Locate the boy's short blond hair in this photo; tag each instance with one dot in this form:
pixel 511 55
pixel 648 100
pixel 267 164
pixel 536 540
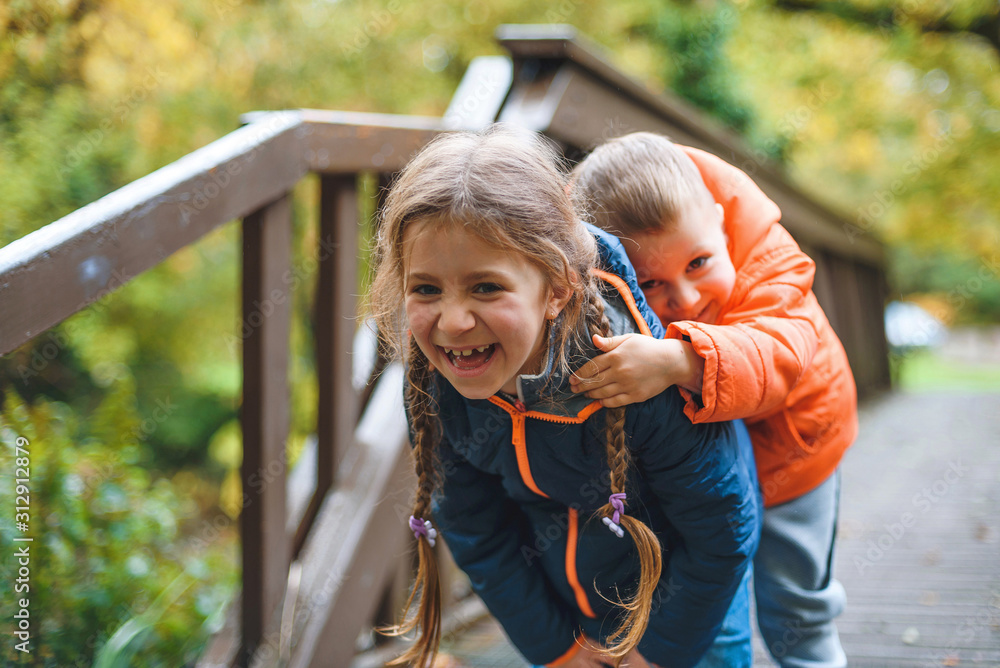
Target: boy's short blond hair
pixel 636 184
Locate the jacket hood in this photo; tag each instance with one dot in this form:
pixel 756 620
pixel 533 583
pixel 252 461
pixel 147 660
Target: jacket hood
pixel 549 391
pixel 744 203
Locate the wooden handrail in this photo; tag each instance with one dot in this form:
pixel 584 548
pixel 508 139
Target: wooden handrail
pixel 97 249
pixel 100 247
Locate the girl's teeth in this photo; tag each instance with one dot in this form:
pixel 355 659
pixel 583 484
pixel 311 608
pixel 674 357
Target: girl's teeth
pixel 464 353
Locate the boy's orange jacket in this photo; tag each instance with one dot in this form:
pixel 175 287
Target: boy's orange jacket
pixel 773 359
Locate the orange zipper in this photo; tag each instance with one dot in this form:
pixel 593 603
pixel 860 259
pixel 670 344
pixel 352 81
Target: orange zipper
pixel 626 294
pixel 571 576
pixel 518 415
pixel 518 418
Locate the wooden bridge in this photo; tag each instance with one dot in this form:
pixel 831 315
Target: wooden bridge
pixel 325 549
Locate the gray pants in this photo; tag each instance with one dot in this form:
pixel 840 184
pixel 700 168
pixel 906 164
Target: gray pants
pixel 797 597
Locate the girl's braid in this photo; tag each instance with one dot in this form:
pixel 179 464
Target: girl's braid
pixel 423 417
pixel 618 454
pixel 629 632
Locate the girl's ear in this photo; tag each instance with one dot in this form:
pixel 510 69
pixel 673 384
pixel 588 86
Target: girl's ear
pixel 558 298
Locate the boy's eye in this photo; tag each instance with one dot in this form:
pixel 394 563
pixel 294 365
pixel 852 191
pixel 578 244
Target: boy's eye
pixel 425 290
pixel 649 285
pixel 487 288
pixel 698 263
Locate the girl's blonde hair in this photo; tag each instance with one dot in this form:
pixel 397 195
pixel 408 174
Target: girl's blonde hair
pixel 637 184
pixel 504 186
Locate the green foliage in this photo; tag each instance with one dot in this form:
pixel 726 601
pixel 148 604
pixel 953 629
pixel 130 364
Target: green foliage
pixel 121 648
pixel 108 538
pixel 694 38
pixel 894 126
pixel 969 287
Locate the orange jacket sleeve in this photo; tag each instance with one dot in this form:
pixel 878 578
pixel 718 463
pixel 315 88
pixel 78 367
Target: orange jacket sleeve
pixel 765 339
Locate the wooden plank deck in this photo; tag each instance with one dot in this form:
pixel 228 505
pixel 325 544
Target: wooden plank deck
pixel 919 543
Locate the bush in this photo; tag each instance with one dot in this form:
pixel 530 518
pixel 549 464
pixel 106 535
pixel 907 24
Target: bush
pixel 109 550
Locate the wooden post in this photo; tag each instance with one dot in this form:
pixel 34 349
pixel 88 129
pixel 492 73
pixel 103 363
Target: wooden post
pixel 267 237
pixel 336 320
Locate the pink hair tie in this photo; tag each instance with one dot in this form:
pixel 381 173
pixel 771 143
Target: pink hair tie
pixel 424 528
pixel 617 502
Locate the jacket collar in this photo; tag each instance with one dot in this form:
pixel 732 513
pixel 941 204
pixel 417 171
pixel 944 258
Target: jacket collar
pixel 549 391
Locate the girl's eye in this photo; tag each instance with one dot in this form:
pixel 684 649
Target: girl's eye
pixel 649 285
pixel 698 263
pixel 487 288
pixel 425 290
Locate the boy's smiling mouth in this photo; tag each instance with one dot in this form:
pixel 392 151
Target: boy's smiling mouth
pixel 469 359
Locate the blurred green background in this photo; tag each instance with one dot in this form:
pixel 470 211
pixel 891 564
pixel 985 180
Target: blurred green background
pixel 887 112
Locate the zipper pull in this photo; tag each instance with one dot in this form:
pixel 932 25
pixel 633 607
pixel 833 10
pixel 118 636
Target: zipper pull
pixel 519 405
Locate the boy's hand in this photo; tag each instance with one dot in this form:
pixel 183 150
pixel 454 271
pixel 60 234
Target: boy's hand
pixel 591 656
pixel 633 368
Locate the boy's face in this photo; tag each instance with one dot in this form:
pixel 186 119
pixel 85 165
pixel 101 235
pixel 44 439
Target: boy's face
pixel 686 273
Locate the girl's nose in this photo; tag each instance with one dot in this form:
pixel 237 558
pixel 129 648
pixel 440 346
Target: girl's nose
pixel 455 318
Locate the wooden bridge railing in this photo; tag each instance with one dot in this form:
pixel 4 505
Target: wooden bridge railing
pixel 55 272
pixel 562 85
pixel 316 560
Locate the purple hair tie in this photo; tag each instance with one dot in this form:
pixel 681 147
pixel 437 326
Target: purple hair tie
pixel 424 528
pixel 617 502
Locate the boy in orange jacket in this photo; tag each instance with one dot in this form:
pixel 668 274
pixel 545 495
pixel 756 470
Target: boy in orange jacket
pixel 746 339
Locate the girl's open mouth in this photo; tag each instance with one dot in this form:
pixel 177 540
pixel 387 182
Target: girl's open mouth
pixel 470 359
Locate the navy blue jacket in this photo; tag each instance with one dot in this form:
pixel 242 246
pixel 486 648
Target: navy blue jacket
pixel 522 479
